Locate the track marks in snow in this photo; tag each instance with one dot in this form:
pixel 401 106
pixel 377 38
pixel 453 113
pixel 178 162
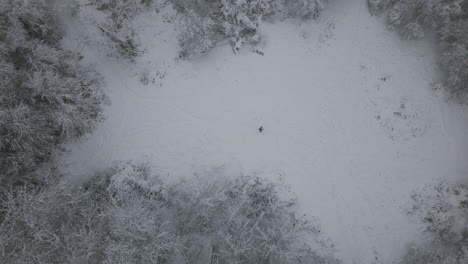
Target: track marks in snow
pixel 327 34
pixel 401 120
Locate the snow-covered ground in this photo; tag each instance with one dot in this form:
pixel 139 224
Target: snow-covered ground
pixel 350 120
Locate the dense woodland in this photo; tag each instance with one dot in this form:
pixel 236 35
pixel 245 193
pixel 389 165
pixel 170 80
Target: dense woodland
pixel 127 214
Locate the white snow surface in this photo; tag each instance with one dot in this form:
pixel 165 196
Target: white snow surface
pixel 351 122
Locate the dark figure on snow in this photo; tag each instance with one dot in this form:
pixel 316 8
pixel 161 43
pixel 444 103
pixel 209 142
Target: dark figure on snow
pixel 261 129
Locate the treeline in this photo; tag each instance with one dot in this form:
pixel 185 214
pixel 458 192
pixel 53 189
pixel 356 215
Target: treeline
pixel 203 24
pixel 129 215
pixel 449 19
pixel 208 23
pixel 47 97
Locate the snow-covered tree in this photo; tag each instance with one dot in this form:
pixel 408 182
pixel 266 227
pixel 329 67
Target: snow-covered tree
pixel 54 225
pixel 200 34
pixel 114 21
pixel 304 8
pixel 454 58
pixel 443 210
pixel 411 17
pixel 238 21
pixel 46 96
pixel 449 19
pixel 377 6
pixel 129 215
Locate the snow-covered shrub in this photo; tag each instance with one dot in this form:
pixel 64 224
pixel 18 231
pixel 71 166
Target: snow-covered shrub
pixel 200 34
pixel 454 58
pixel 304 8
pixel 377 6
pixel 46 96
pixel 209 22
pixel 240 20
pixel 128 215
pixel 411 17
pixel 116 23
pixel 444 213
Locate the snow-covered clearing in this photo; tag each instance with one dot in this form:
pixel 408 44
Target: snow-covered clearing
pixel 350 120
